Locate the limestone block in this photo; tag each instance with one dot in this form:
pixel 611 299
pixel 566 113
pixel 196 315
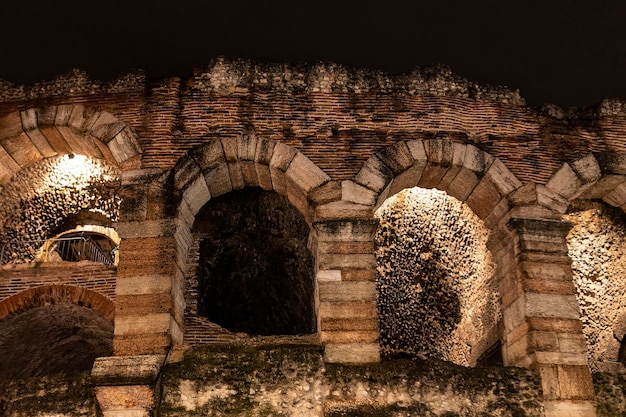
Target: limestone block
pixel 342 210
pixel 338 230
pixel 218 180
pixel 617 197
pixel 7 166
pixel 572 343
pixel 458 155
pixel 560 408
pixel 550 199
pixel 209 156
pixel 263 176
pixel 354 323
pixel 236 176
pixel 279 181
pixel 515 314
pixel 543 243
pixel 21 149
pixel 140 176
pixel 484 198
pixel 345 260
pixel 559 325
pixel 77 116
pixel 303 172
pixel 355 336
pixel 534 212
pixel 57 141
pixel 197 194
pixel 126 400
pixel 498 214
pixel 347 291
pixel 439 151
pixel 282 157
pixel 328 275
pixel 124 146
pixel 141 344
pixel 374 175
pixel 397 157
pixel 298 199
pixel 347 310
pixel 549 286
pixel 248 171
pixel 106 132
pixel 546 271
pixel 543 341
pixel 147 284
pixel 345 247
pixel 516 351
pixel 326 193
pixel 46 115
pixel 230 148
pixel 603 186
pixel 352 353
pixel 264 151
pixel 587 169
pixel 28 120
pixel 187 171
pixel 355 193
pixel 126 370
pixel 41 143
pixel 614 163
pixel 184 214
pixel 418 152
pixel 142 324
pixel 408 179
pixel 11 124
pixel 565 182
pixel 551 305
pixel 62 118
pixel 246 147
pixel 503 179
pixel 100 119
pixel 358 274
pixel 432 175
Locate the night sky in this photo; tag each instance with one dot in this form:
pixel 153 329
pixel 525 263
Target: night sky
pixel 570 53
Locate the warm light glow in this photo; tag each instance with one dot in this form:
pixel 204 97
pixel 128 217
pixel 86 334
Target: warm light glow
pixel 72 170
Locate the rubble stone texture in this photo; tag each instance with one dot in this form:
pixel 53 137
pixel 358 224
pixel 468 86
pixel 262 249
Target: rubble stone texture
pixel 34 204
pixel 597 246
pixel 435 295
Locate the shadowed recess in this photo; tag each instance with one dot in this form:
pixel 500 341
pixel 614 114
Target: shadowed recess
pixel 255 270
pixel 51 339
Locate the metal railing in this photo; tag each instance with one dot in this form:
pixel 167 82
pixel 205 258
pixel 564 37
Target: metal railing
pixel 74 248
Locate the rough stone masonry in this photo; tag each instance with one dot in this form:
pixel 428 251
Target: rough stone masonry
pixel 535 192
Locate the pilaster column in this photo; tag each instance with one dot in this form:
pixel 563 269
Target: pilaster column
pixel 346 270
pixel 541 313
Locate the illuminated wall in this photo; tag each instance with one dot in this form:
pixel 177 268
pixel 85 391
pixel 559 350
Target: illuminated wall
pixel 435 295
pixel 38 199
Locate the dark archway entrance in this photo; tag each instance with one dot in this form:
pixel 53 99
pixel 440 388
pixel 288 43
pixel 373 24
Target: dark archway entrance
pixel 255 272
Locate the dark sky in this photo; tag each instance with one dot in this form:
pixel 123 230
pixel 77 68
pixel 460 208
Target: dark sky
pixel 570 53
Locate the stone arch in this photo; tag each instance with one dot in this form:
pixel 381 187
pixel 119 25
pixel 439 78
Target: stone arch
pixel 51 294
pixel 223 165
pixel 463 171
pixel 31 135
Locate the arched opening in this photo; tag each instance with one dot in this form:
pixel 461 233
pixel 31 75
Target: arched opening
pixel 42 200
pixel 596 245
pixel 255 271
pixel 437 297
pixel 54 328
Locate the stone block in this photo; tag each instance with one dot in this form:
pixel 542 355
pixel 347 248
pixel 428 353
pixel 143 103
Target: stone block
pixel 345 247
pixel 551 200
pixel 121 400
pixel 565 182
pixel 397 157
pixel 197 194
pixel 549 286
pixel 249 175
pixel 342 210
pixel 603 186
pixel 218 180
pixel 418 152
pixel 124 146
pixel 7 166
pixel 11 124
pixel 552 305
pixel 28 120
pixel 572 343
pixel 352 353
pixel 326 193
pixel 374 175
pixel 543 341
pixel 328 275
pixel 141 344
pixel 616 197
pixel 515 314
pixel 279 181
pixel 546 271
pixel 347 291
pixel 303 172
pixel 142 304
pixel 549 375
pixel 346 260
pixel 42 144
pixel 458 155
pixel 348 310
pixel 264 151
pixel 230 148
pixel 209 156
pixel 561 408
pixel 498 214
pixel 282 156
pixel 355 193
pixel 63 113
pixel 263 176
pixel 236 176
pixel 359 323
pixel 126 370
pixel 408 179
pixel 559 325
pixel 516 352
pixel 298 199
pixel 246 147
pixel 575 382
pixel 463 184
pixel 156 323
pixel 146 229
pixel 356 336
pixel 503 179
pixel 338 230
pixel 587 169
pixel 560 358
pixel 484 198
pixel 439 151
pixel 432 175
pixel 358 274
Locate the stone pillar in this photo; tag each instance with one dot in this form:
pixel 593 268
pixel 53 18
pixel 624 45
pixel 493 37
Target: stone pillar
pixel 541 313
pixel 146 322
pixel 346 269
